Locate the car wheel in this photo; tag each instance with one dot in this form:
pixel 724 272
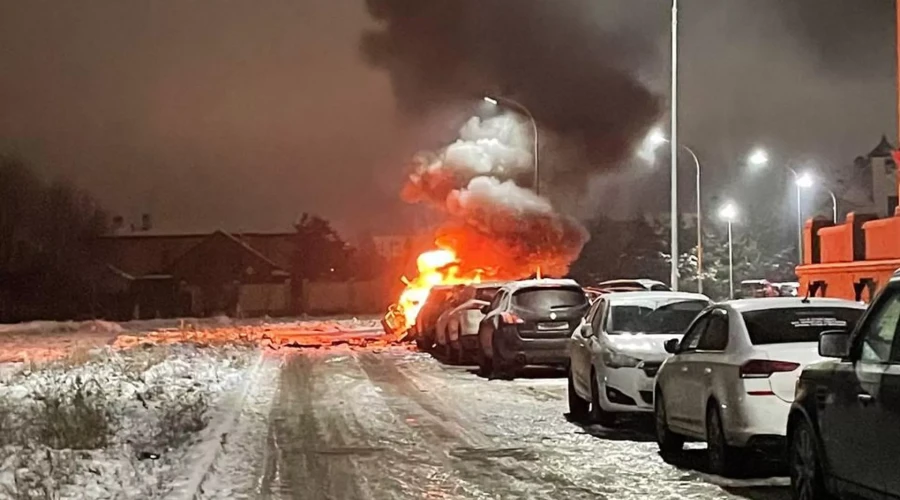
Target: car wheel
pixel 422 344
pixel 598 414
pixel 723 459
pixel 807 480
pixel 456 355
pixel 578 408
pixel 502 368
pixel 485 365
pixel 668 441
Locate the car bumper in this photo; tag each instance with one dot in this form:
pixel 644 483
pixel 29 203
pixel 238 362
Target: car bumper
pixel 517 351
pixel 755 421
pixel 626 390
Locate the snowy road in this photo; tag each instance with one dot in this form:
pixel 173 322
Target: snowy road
pixel 384 424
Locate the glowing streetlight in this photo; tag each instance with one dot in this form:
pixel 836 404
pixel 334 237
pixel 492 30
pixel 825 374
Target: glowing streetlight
pixel 807 180
pixel 654 140
pixel 729 213
pixel 758 158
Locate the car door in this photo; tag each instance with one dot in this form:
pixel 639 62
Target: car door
pixel 889 405
pixel 677 375
pixel 856 414
pixel 580 353
pixel 707 368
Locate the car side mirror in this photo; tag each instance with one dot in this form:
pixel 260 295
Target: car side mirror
pixel 485 309
pixel 834 344
pixel 587 331
pixel 671 346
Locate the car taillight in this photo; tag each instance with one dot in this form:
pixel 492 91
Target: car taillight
pixel 764 368
pixel 510 319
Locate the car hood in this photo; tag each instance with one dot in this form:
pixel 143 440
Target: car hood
pixel 643 346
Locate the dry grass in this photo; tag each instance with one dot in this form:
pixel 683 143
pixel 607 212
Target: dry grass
pixel 78 421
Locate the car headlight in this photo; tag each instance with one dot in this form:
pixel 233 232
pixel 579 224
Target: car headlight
pixel 614 359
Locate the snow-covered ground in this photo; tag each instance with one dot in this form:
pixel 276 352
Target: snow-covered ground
pixel 113 424
pixel 143 409
pixel 47 340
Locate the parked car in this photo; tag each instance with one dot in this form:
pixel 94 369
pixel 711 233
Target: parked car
pixel 439 299
pixel 753 289
pixel 787 289
pixel 457 328
pixel 844 425
pixel 529 323
pixel 731 379
pixel 616 352
pixel 635 285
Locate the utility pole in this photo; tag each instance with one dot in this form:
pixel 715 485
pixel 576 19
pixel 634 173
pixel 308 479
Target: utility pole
pixel 673 142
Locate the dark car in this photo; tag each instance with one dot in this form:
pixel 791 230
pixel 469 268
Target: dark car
pixel 844 426
pixel 529 323
pixel 439 299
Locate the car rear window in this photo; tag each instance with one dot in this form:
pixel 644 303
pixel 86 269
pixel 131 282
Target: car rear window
pixel 781 326
pixel 542 299
pixel 486 294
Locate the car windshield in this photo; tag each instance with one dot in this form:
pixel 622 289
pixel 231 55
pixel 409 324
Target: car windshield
pixel 799 324
pixel 546 299
pixel 653 316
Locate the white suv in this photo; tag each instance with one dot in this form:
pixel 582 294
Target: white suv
pixel 614 356
pixel 732 377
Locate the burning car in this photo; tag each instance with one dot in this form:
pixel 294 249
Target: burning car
pixel 440 298
pixel 457 328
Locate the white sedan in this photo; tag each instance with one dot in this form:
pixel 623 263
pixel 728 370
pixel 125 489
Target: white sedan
pixel 731 379
pixel 614 356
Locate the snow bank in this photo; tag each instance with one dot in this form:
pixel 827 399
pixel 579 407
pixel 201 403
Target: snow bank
pixel 132 418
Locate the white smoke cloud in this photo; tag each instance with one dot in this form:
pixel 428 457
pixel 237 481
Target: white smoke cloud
pixel 494 223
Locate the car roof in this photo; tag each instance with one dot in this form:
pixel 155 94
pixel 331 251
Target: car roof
pixel 627 296
pixel 514 286
pixel 642 281
pixel 488 284
pixel 760 304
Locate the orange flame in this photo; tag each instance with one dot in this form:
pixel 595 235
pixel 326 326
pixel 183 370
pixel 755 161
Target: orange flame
pixel 435 267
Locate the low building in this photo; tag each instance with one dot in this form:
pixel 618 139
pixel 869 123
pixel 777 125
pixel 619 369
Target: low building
pixel 197 275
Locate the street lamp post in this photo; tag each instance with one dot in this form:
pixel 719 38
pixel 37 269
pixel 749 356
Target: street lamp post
pixel 537 172
pixel 728 213
pixel 806 180
pixel 521 107
pixel 657 138
pixel 760 158
pixel 674 149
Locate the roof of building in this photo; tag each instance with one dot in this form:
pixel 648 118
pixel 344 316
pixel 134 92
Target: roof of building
pixel 884 149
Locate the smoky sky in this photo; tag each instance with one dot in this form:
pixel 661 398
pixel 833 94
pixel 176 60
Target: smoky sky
pixel 241 115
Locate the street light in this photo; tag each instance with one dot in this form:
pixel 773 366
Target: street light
pixel 729 213
pixel 656 139
pixel 759 158
pixel 674 150
pixel 807 180
pixel 495 101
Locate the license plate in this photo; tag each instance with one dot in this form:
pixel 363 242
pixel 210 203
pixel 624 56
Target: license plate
pixel 556 325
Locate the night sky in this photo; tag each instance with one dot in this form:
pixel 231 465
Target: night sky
pixel 241 115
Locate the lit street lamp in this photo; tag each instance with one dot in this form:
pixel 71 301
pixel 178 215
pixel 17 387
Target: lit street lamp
pixel 656 139
pixel 807 180
pixel 759 158
pixel 494 101
pixel 729 213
